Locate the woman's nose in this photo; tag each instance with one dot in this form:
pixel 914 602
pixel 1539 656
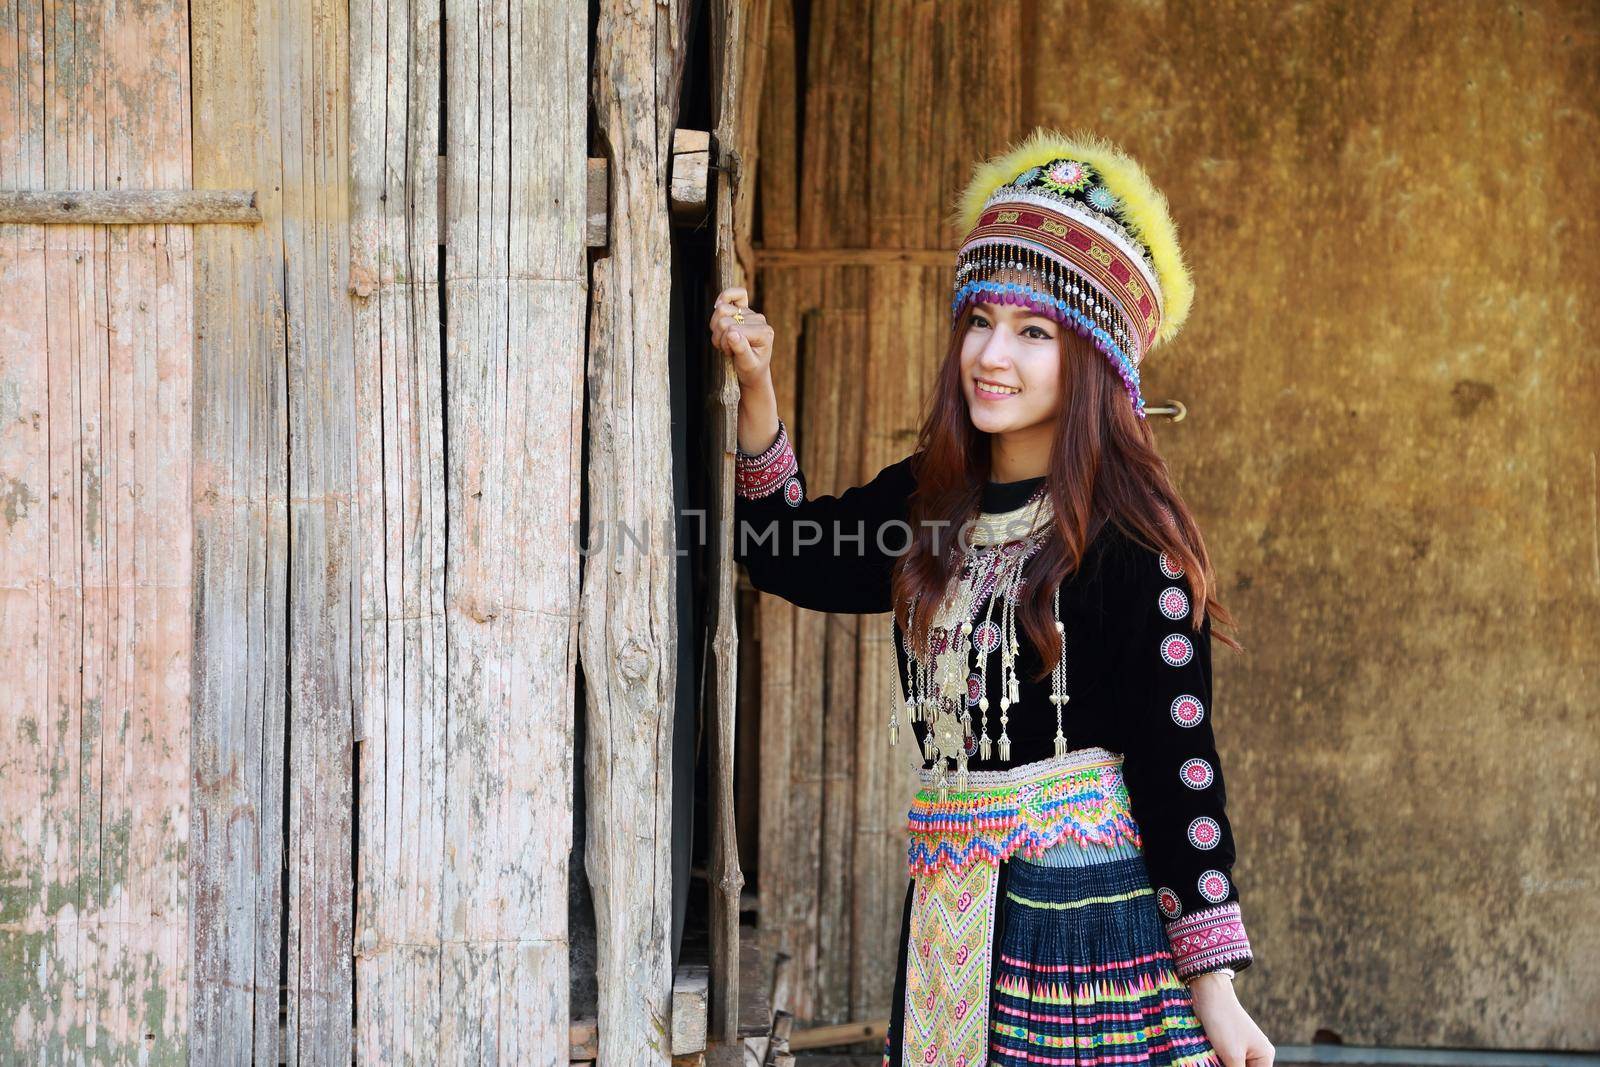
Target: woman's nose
pixel 996 351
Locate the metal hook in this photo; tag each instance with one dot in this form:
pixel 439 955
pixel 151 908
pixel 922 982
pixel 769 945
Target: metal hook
pixel 1174 408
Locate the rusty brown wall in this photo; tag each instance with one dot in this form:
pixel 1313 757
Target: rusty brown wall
pixel 1390 211
pixel 1391 445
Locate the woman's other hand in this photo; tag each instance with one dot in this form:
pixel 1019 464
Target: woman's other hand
pixel 1237 1039
pixel 748 343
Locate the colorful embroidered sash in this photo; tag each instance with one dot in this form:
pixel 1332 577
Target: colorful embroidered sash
pixel 1021 809
pixel 956 846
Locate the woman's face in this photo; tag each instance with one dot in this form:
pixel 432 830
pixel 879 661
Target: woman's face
pixel 1010 368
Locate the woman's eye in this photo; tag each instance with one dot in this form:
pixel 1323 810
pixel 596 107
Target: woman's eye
pixel 1039 332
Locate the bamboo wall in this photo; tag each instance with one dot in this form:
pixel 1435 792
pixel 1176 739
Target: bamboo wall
pixel 1390 443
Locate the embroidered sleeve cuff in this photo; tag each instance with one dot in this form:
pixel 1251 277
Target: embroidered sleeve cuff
pixel 774 469
pixel 1210 938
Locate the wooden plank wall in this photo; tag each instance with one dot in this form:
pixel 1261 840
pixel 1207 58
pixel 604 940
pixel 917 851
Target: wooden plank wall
pixel 95 569
pixel 629 630
pixel 367 415
pixel 855 272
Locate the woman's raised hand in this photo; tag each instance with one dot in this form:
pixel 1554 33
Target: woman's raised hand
pixel 748 343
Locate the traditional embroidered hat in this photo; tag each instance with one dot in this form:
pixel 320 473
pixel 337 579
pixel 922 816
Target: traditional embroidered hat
pixel 1081 223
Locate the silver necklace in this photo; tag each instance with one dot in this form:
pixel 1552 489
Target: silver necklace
pixel 944 685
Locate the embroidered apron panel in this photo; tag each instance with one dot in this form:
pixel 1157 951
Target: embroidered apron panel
pixel 947 969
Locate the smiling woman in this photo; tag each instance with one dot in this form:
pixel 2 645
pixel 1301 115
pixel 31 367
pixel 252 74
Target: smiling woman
pixel 1050 603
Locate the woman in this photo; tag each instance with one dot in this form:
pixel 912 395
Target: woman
pixel 1071 896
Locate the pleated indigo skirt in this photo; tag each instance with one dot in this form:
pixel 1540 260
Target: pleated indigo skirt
pixel 1082 972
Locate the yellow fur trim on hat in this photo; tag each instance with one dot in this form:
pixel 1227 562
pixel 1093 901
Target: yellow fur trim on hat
pixel 1144 208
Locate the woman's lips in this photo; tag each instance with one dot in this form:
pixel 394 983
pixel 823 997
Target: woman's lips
pixel 987 393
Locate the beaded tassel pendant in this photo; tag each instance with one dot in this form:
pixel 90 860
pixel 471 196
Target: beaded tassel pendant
pixel 1058 677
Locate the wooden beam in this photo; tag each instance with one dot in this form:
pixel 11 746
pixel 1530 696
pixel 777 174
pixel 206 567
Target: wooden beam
pixel 839 1034
pixel 691 158
pixel 688 194
pixel 130 207
pixel 691 1001
pixel 854 257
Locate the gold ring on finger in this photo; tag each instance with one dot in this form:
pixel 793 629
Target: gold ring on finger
pixel 738 316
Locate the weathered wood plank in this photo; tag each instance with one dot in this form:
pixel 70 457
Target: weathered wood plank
pixel 629 630
pixel 691 160
pixel 95 568
pixel 906 89
pixel 95 571
pixel 462 885
pixel 275 613
pixel 777 141
pixel 241 553
pixel 514 290
pixel 95 565
pixel 835 400
pixel 400 532
pixel 598 188
pixel 583 1037
pixel 130 207
pixel 799 849
pixel 830 210
pixel 311 83
pixel 691 1005
pixel 773 713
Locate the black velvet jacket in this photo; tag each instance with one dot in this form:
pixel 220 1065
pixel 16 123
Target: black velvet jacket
pixel 1138 676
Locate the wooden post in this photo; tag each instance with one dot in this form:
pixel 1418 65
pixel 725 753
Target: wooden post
pixel 629 631
pixel 738 59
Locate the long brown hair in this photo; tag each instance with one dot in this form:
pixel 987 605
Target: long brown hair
pixel 1104 468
